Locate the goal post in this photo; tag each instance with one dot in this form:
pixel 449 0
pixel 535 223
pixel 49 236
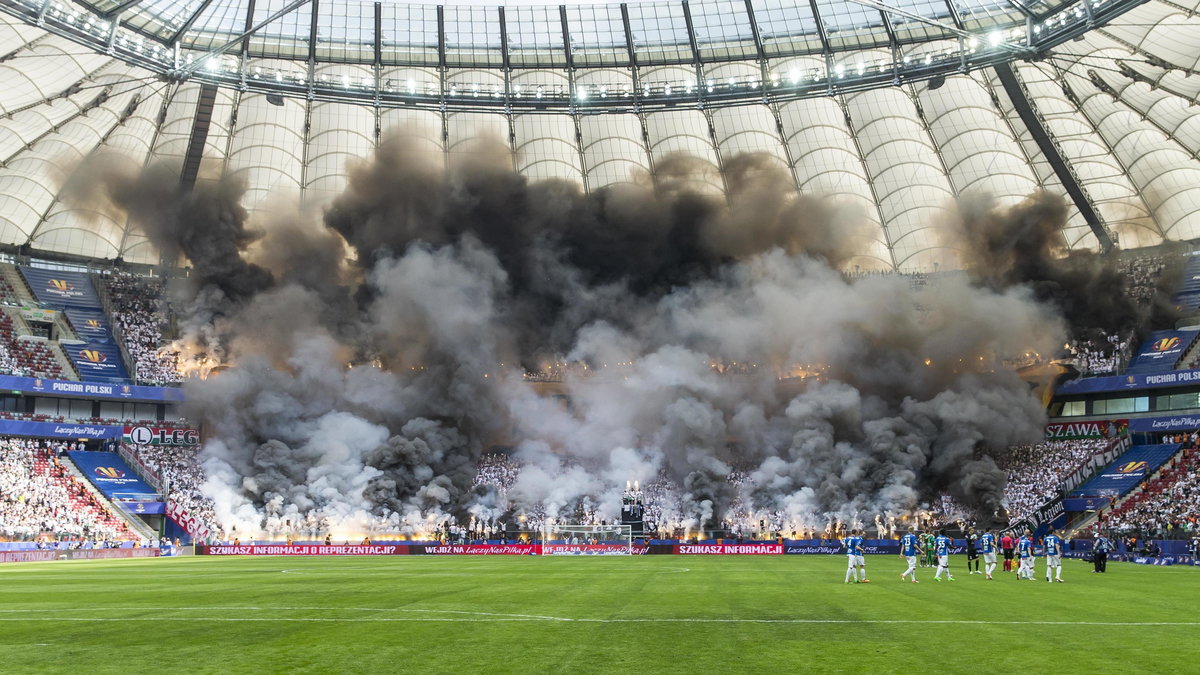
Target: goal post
pixel 572 539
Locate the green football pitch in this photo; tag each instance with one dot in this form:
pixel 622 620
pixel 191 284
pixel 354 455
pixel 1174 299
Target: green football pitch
pixel 586 614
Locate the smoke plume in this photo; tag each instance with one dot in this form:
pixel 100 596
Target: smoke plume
pixel 372 354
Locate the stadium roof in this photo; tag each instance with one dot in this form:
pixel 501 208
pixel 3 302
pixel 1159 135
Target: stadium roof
pixel 892 106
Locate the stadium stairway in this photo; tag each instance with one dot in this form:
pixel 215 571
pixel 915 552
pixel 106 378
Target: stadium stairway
pixel 68 367
pixel 114 326
pixel 134 523
pixel 13 276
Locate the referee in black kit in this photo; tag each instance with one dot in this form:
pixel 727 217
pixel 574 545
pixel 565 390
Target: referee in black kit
pixel 972 552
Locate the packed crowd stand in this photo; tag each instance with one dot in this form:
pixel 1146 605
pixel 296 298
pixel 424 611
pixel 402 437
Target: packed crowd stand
pixel 40 499
pixel 1167 506
pixel 1036 471
pixel 137 308
pixel 48 500
pixel 178 470
pixel 30 358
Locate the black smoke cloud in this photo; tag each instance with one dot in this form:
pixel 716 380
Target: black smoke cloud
pixel 360 389
pixel 1023 245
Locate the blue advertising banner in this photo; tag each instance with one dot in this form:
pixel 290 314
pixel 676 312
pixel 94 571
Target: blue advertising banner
pixel 1161 351
pixel 97 360
pixel 37 385
pixel 62 289
pixel 1132 381
pixel 1086 503
pixel 90 325
pixel 66 430
pixel 110 474
pixel 1177 423
pixel 143 508
pixel 1124 473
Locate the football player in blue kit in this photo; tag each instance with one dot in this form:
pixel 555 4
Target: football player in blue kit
pixel 987 546
pixel 1054 545
pixel 942 547
pixel 910 548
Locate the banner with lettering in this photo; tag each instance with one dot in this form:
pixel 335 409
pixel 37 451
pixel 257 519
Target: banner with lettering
pixel 38 385
pixel 190 523
pixel 78 554
pixel 1124 473
pixel 150 435
pixel 63 430
pixel 89 325
pixel 61 289
pixel 593 549
pixel 1161 351
pixel 306 549
pixel 97 360
pixel 1094 430
pixel 1129 381
pixel 729 549
pixel 110 474
pixel 477 549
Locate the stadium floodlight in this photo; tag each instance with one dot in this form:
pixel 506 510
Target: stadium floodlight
pixel 575 539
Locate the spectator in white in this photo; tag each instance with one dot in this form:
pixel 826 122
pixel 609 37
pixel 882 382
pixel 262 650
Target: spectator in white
pixel 40 500
pixel 137 306
pixel 1036 471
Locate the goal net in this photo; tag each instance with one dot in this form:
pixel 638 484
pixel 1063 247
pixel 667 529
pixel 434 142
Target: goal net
pixel 567 539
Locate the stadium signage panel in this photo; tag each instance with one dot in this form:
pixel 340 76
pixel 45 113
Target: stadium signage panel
pixel 729 549
pixel 307 549
pixel 477 549
pixel 142 508
pixel 146 435
pixel 1165 346
pixel 37 385
pixel 31 313
pixel 1091 385
pixel 79 554
pixel 57 430
pixel 1085 503
pixel 1181 423
pixel 110 474
pixel 593 549
pixel 1096 429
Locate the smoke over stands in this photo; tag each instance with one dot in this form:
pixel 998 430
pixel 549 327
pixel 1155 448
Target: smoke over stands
pixel 1024 245
pixel 704 335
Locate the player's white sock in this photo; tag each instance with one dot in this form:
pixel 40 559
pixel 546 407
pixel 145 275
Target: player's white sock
pixel 1058 572
pixel 849 573
pixel 991 567
pixel 912 569
pixel 938 573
